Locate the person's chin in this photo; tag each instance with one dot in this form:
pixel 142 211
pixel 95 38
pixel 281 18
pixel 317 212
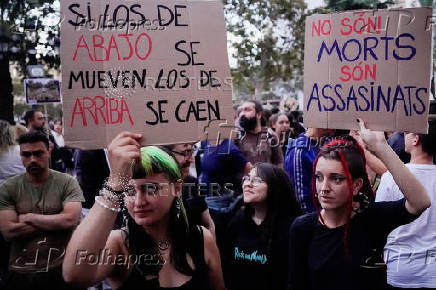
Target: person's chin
pixel 329 206
pixel 249 198
pixel 143 221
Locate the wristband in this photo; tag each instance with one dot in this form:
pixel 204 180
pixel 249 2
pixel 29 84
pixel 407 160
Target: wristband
pixel 102 204
pixel 109 188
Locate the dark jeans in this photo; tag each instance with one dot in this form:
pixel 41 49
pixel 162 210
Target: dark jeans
pixel 51 280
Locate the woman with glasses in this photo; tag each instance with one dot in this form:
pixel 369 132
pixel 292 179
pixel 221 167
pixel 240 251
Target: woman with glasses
pixel 255 252
pixel 158 248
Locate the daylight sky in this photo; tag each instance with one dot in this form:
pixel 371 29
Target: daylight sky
pixel 314 3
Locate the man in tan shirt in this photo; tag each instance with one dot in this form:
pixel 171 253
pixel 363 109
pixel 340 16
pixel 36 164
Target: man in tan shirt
pixel 38 211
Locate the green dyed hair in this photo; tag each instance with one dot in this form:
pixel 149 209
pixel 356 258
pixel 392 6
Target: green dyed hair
pixel 154 160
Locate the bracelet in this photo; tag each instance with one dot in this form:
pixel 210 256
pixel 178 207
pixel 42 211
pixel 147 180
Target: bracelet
pixel 109 195
pixel 102 204
pixel 109 188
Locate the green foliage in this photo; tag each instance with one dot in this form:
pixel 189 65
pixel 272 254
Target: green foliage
pixel 13 17
pixel 341 5
pixel 268 40
pixel 426 3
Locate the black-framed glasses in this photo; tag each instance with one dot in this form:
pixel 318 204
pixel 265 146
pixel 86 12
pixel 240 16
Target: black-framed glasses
pixel 28 154
pixel 185 153
pixel 256 180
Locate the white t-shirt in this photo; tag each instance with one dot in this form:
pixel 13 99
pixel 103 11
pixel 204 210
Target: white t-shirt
pixel 410 252
pixel 58 138
pixel 10 163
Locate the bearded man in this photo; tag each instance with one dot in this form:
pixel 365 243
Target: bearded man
pixel 257 142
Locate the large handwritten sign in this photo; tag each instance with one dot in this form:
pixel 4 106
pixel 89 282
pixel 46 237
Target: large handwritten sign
pixel 154 67
pixel 371 64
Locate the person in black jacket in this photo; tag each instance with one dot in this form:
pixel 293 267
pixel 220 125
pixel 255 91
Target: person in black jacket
pixel 255 249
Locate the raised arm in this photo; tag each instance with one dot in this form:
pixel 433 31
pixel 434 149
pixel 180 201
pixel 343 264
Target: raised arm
pixel 371 160
pixel 91 236
pixel 417 199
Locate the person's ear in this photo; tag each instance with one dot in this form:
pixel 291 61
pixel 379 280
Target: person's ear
pixel 258 115
pixel 357 185
pixel 416 140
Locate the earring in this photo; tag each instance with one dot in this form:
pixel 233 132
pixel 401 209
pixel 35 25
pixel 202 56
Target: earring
pixel 178 206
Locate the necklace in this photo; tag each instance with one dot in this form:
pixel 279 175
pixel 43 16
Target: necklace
pixel 163 245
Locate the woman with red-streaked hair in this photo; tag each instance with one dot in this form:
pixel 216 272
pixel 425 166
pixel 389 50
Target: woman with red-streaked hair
pixel 337 247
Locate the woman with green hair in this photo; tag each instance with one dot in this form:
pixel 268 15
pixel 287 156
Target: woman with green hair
pixel 157 248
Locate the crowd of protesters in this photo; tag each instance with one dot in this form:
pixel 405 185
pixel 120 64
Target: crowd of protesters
pixel 277 206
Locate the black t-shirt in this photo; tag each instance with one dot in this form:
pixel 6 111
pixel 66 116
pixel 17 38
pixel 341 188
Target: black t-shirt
pixel 246 261
pixel 194 203
pixel 319 258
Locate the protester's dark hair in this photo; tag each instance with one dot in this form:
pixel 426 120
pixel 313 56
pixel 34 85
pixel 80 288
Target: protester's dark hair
pixel 281 200
pixel 28 116
pixel 155 160
pixel 295 117
pixel 346 150
pixel 257 105
pixel 264 120
pixel 428 141
pixel 33 137
pixel 259 108
pixel 168 147
pixel 294 122
pixel 57 120
pixel 275 110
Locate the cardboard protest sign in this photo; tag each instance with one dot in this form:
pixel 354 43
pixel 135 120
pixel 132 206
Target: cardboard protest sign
pixel 156 67
pixel 42 91
pixel 372 64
